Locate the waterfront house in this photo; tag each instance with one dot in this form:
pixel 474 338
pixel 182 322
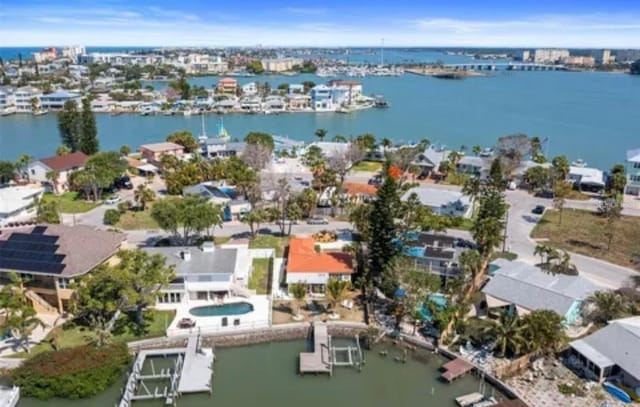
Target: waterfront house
pixel 154 152
pixel 204 273
pixel 521 288
pixel 64 165
pixel 611 352
pixel 49 257
pixel 429 160
pixel 442 201
pixel 314 268
pixel 227 85
pixel 437 253
pixel 633 172
pixel 587 179
pixel 57 99
pixel 18 203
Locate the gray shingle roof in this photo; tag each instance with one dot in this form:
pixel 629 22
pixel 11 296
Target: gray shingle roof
pixel 219 261
pixel 525 285
pixel 617 343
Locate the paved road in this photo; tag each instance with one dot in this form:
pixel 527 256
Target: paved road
pixel 521 223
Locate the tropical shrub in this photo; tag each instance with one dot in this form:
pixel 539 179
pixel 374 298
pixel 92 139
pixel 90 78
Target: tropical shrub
pixel 71 373
pixel 111 217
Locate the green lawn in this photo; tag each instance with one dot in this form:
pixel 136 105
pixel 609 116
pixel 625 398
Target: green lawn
pixel 368 166
pixel 69 202
pixel 586 233
pixel 270 242
pixel 136 220
pixel 74 335
pixel 261 275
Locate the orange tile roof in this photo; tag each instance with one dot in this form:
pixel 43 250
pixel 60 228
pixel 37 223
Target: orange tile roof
pixel 303 258
pixel 354 188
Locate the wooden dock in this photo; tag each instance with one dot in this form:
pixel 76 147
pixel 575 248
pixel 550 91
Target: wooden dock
pixel 318 361
pixel 455 368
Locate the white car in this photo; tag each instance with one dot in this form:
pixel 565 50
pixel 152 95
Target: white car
pixel 113 200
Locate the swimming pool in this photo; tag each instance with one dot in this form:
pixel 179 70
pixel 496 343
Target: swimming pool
pixel 233 308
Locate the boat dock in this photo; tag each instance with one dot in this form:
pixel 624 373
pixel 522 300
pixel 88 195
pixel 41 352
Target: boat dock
pixel 190 373
pixel 455 369
pixel 318 361
pixel 469 399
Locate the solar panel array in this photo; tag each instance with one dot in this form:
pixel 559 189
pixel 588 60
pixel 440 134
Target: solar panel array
pixel 31 252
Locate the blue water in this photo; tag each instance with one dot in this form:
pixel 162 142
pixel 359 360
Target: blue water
pixel 593 116
pixel 235 308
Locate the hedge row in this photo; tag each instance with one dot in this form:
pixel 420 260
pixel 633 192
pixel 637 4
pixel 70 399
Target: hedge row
pixel 72 373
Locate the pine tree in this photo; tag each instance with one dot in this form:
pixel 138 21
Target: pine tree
pixel 382 228
pixel 68 126
pixel 88 141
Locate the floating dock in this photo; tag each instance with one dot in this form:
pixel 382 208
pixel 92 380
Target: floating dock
pixel 318 361
pixel 455 368
pixel 191 373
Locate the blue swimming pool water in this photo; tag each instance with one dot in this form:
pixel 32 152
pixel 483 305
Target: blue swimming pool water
pixel 234 308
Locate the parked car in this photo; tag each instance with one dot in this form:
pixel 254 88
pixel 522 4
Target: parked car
pixel 316 220
pixel 538 210
pixel 113 200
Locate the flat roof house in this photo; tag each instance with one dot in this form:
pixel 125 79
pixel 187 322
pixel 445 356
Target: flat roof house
pixel 154 152
pixel 442 201
pixel 523 288
pixel 50 256
pixel 611 352
pixel 204 273
pixel 306 265
pixel 63 164
pixel 18 203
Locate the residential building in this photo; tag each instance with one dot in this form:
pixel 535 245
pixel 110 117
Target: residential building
pixel 604 57
pixel 611 352
pixel 434 252
pixel 250 89
pixel 49 257
pixel 429 160
pixel 322 98
pixel 46 55
pixel 227 85
pixel 314 268
pixel 442 201
pixel 57 99
pixel 633 172
pixel 74 52
pixel 18 203
pixel 23 98
pixel 521 288
pixel 154 152
pixel 549 55
pixel 64 165
pixel 205 273
pixel 280 64
pixel 587 179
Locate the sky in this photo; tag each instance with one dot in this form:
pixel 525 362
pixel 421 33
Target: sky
pixel 467 23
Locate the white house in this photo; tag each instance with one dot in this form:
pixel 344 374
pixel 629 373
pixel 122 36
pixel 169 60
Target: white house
pixel 442 201
pixel 62 164
pixel 18 203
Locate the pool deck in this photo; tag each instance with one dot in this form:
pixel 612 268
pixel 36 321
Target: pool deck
pixel 318 361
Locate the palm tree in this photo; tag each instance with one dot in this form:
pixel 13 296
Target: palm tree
pixel 321 134
pixel 508 334
pixel 53 177
pixel 143 195
pixel 299 292
pixel 23 162
pixel 476 150
pixel 605 306
pixel 336 292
